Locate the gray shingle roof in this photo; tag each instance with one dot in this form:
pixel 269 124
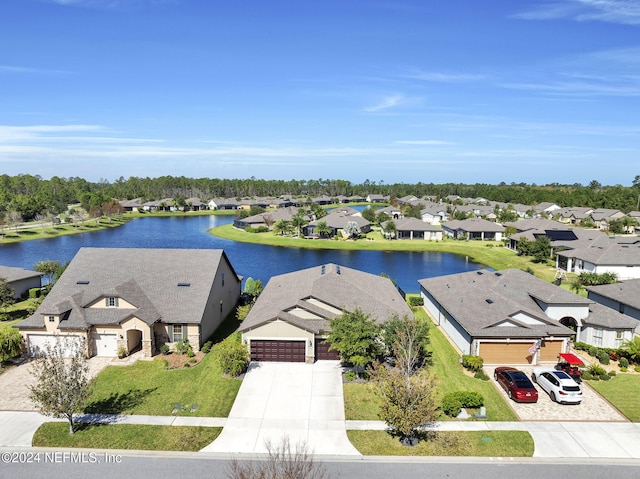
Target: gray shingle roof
pixel 605 317
pixel 147 278
pixel 481 301
pixel 625 292
pixel 17 274
pixel 337 286
pixel 473 225
pixel 608 251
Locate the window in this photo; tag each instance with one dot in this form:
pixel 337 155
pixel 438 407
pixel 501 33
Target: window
pixel 223 280
pixel 112 302
pixel 619 339
pixel 597 336
pixel 176 332
pixel 52 319
pixel 221 306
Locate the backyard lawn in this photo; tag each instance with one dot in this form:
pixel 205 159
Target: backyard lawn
pixel 623 392
pixel 125 436
pixel 146 387
pixel 361 402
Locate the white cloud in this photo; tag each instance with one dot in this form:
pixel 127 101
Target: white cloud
pixel 387 102
pixel 625 12
pixel 441 77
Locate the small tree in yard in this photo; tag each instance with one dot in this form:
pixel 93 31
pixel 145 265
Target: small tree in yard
pixel 232 355
pixel 355 337
pixel 49 268
pixel 10 343
pixel 407 402
pixel 352 230
pixel 6 296
pixel 407 339
pixel 62 383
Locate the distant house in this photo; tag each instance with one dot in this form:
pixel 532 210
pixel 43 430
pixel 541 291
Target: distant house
pixel 131 205
pixel 195 204
pixel 546 208
pixel 434 214
pixel 376 199
pixel 337 220
pixel 512 317
pixel 20 280
pixel 223 204
pixel 268 218
pixel 473 229
pixel 290 320
pixel 602 217
pixel 415 229
pixel 603 255
pixel 135 298
pixel 623 297
pixel 392 211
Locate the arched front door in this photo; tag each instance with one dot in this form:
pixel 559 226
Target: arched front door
pixel 134 339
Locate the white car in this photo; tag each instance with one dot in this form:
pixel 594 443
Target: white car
pixel 558 384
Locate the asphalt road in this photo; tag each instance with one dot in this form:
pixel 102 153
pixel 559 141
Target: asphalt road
pixel 95 465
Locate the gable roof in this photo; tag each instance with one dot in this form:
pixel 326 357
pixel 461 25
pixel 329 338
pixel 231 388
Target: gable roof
pixel 473 225
pixel 482 302
pixel 608 251
pixel 154 281
pixel 414 224
pixel 323 293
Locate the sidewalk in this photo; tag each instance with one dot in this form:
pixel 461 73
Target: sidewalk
pixel 552 439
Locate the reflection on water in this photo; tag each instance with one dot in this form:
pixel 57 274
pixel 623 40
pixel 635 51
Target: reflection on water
pixel 258 261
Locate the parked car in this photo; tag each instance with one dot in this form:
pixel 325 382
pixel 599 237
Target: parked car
pixel 558 384
pixel 516 384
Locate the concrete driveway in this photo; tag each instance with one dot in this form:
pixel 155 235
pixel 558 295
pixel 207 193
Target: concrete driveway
pixel 303 402
pixel 15 383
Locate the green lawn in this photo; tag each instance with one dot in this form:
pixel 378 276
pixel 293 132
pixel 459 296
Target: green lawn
pixel 623 392
pixel 125 436
pixel 476 443
pixel 489 253
pixel 361 401
pixel 146 387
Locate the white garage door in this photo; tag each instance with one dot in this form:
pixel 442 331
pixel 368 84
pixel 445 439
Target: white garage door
pixel 37 343
pixel 105 345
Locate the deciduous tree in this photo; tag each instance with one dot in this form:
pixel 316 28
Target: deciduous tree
pixel 62 384
pixel 10 343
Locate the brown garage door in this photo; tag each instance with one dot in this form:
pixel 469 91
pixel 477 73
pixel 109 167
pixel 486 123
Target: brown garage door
pixel 322 350
pixel 506 353
pixel 549 350
pixel 282 351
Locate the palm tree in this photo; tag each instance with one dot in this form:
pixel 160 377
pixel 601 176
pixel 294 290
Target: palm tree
pixel 298 221
pixel 323 229
pixel 280 227
pixel 632 348
pixel 390 229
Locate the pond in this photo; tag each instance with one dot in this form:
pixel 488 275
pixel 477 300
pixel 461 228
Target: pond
pixel 249 260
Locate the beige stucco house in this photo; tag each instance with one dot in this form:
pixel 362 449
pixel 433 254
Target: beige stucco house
pixel 135 298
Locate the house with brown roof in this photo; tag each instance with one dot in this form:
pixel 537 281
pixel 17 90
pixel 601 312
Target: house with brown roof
pixel 290 319
pixel 512 317
pixel 20 280
pixel 337 221
pixel 133 298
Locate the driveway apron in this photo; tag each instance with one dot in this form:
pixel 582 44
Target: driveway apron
pixel 301 402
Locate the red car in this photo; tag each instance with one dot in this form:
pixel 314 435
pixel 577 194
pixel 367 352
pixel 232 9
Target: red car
pixel 516 383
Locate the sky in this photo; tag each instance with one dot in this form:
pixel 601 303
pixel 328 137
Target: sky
pixel 393 91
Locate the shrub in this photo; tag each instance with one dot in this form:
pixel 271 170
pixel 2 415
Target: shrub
pixel 206 347
pixel 472 363
pixel 581 346
pixel 603 357
pixel 637 369
pixel 165 364
pixel 452 403
pixel 605 377
pixel 232 355
pixel 165 349
pixel 186 365
pixel 586 375
pixel 611 373
pixel 192 360
pixel 480 374
pixel 623 369
pixel 596 370
pixel 183 346
pixel 593 351
pixel 624 363
pixel 190 353
pixel 34 293
pixel 122 352
pixel 350 376
pixel 451 406
pixel 416 301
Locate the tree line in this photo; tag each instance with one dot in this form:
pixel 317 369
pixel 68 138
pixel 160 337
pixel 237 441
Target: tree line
pixel 32 195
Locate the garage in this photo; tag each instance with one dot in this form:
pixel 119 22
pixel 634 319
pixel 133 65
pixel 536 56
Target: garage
pixel 323 352
pixel 550 349
pixel 38 343
pixel 105 344
pixel 505 353
pixel 280 351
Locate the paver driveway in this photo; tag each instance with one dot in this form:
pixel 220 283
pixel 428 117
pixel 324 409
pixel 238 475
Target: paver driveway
pixel 303 402
pixel 15 383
